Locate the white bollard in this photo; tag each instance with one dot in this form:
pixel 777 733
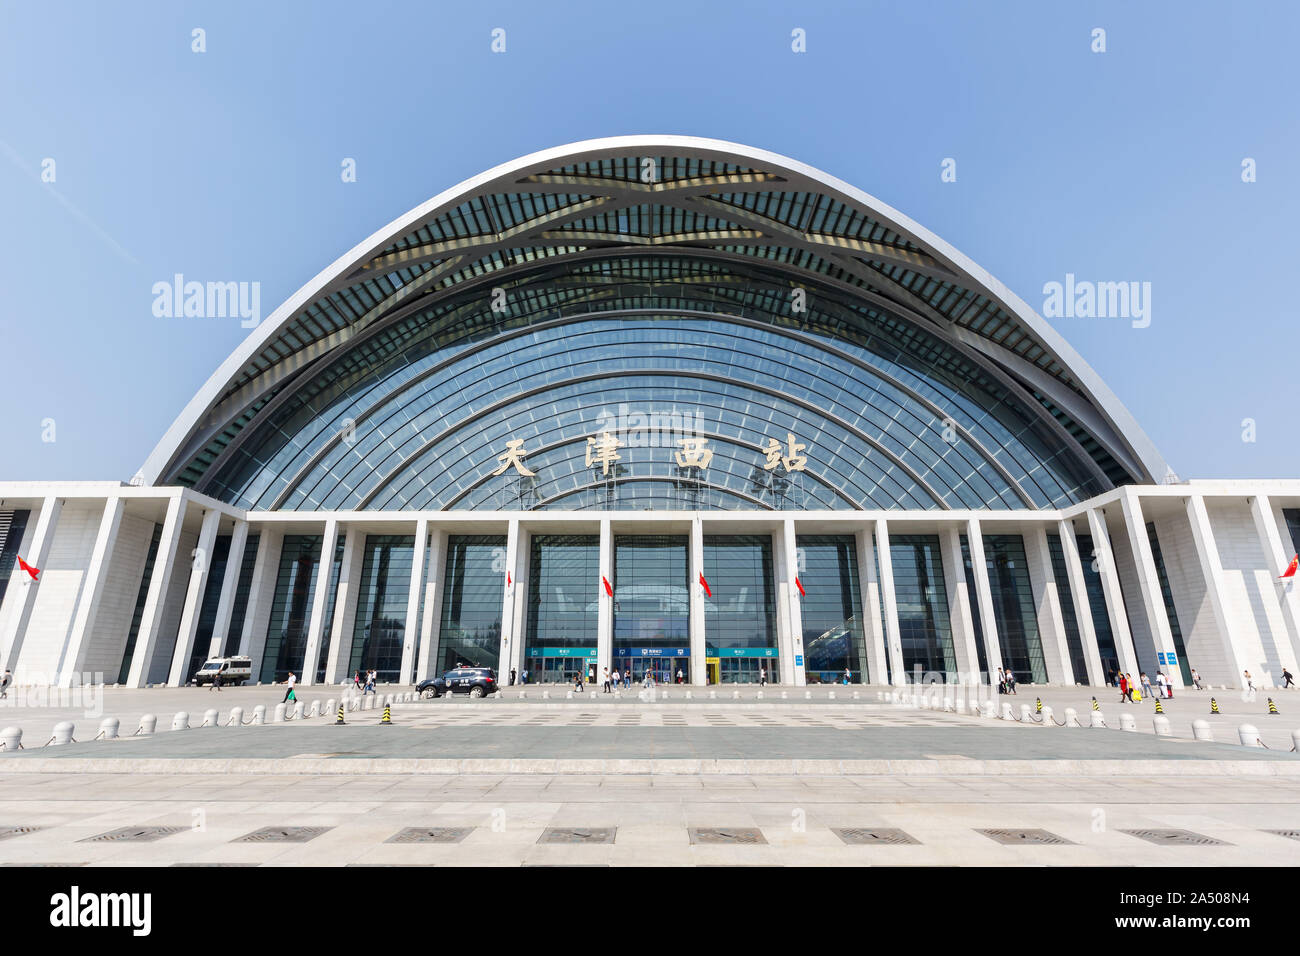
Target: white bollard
pixel 784 695
pixel 278 718
pixel 1160 724
pixel 148 723
pixel 546 695
pixel 1048 719
pixel 807 695
pixel 593 695
pixel 314 709
pixel 1201 730
pixel 1249 735
pixel 297 710
pixel 63 732
pixel 331 708
pixel 990 708
pixel 1006 712
pixel 1025 711
pixel 948 704
pixel 735 695
pixel 758 696
pixel 880 697
pixel 830 695
pixel 1295 740
pixel 210 717
pixel 259 714
pixel 688 695
pixel 568 695
pixel 11 738
pixel 1071 717
pixel 713 695
pixel 108 728
pixel 856 695
pixel 523 695
pixel 1128 722
pixel 1097 719
pixel 236 717
pixel 181 721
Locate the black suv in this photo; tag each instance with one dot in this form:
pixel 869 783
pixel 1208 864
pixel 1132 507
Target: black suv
pixel 475 681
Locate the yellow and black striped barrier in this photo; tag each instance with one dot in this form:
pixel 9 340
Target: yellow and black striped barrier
pixel 340 718
pixel 1159 709
pixel 1038 705
pixel 387 719
pixel 1214 706
pixel 1272 707
pixel 1095 705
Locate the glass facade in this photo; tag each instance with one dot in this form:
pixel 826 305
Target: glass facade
pixel 286 634
pixel 1073 638
pixel 473 584
pixel 234 636
pixel 740 617
pixel 1097 601
pixel 922 599
pixel 563 606
pixel 208 609
pixel 141 597
pixel 833 640
pixel 652 605
pixel 382 597
pixel 13 525
pixel 1014 611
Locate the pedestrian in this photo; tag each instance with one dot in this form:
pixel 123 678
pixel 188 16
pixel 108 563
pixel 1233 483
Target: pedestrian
pixel 356 679
pixel 1129 688
pixel 1002 682
pixel 1011 681
pixel 1146 685
pixel 216 679
pixel 577 681
pixel 512 677
pixel 1250 684
pixel 1123 689
pixel 607 687
pixel 762 676
pixel 525 675
pixel 289 693
pixel 848 676
pixel 1289 680
pixel 5 682
pixel 1160 683
pixel 1196 679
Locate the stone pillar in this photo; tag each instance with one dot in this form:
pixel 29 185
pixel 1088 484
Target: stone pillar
pixel 22 588
pixel 893 636
pixel 261 594
pixel 1115 611
pixel 794 603
pixel 92 590
pixel 1207 552
pixel 605 603
pixel 1153 599
pixel 1082 605
pixel 151 620
pixel 1047 606
pixel 411 632
pixel 199 565
pixel 873 631
pixel 699 646
pixel 338 660
pixel 432 621
pixel 984 596
pixel 523 568
pixel 1276 555
pixel 319 603
pixel 229 588
pixel 509 585
pixel 959 605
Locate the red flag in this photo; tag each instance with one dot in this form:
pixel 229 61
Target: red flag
pixel 508 580
pixel 705 584
pixel 1288 573
pixel 28 568
pixel 799 585
pixel 605 581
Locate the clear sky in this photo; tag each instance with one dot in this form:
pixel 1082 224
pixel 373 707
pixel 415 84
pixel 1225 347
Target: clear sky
pixel 225 166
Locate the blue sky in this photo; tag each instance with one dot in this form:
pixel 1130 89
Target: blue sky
pixel 225 165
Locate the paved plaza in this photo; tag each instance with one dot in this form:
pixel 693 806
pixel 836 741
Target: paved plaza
pixel 668 782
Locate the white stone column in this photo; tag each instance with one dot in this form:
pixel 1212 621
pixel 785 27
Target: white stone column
pixel 229 588
pixel 319 603
pixel 783 585
pixel 1047 607
pixel 873 631
pixel 605 603
pixel 509 585
pixel 1153 599
pixel 1207 552
pixel 699 647
pixel 261 595
pixel 411 632
pixel 893 635
pixel 432 622
pixel 984 596
pixel 1105 557
pixel 1082 605
pixel 794 603
pixel 338 659
pixel 190 610
pixel 1276 555
pixel 959 606
pixel 22 588
pixel 523 568
pixel 163 566
pixel 92 589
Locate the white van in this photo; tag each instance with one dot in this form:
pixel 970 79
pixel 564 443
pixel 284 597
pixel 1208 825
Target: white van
pixel 233 670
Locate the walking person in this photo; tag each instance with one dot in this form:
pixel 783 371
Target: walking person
pixel 512 677
pixel 848 676
pixel 1002 682
pixel 1146 685
pixel 1123 689
pixel 289 693
pixel 679 675
pixel 1196 679
pixel 1011 681
pixel 524 675
pixel 1160 683
pixel 1128 685
pixel 5 682
pixel 356 679
pixel 762 676
pixel 1289 680
pixel 607 687
pixel 1250 685
pixel 216 680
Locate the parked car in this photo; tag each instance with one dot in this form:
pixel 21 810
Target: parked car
pixel 233 670
pixel 475 681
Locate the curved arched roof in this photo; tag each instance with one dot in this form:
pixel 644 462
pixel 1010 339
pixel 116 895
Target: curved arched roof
pixel 631 199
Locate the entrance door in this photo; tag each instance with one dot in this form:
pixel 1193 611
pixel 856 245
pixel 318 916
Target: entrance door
pixel 711 664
